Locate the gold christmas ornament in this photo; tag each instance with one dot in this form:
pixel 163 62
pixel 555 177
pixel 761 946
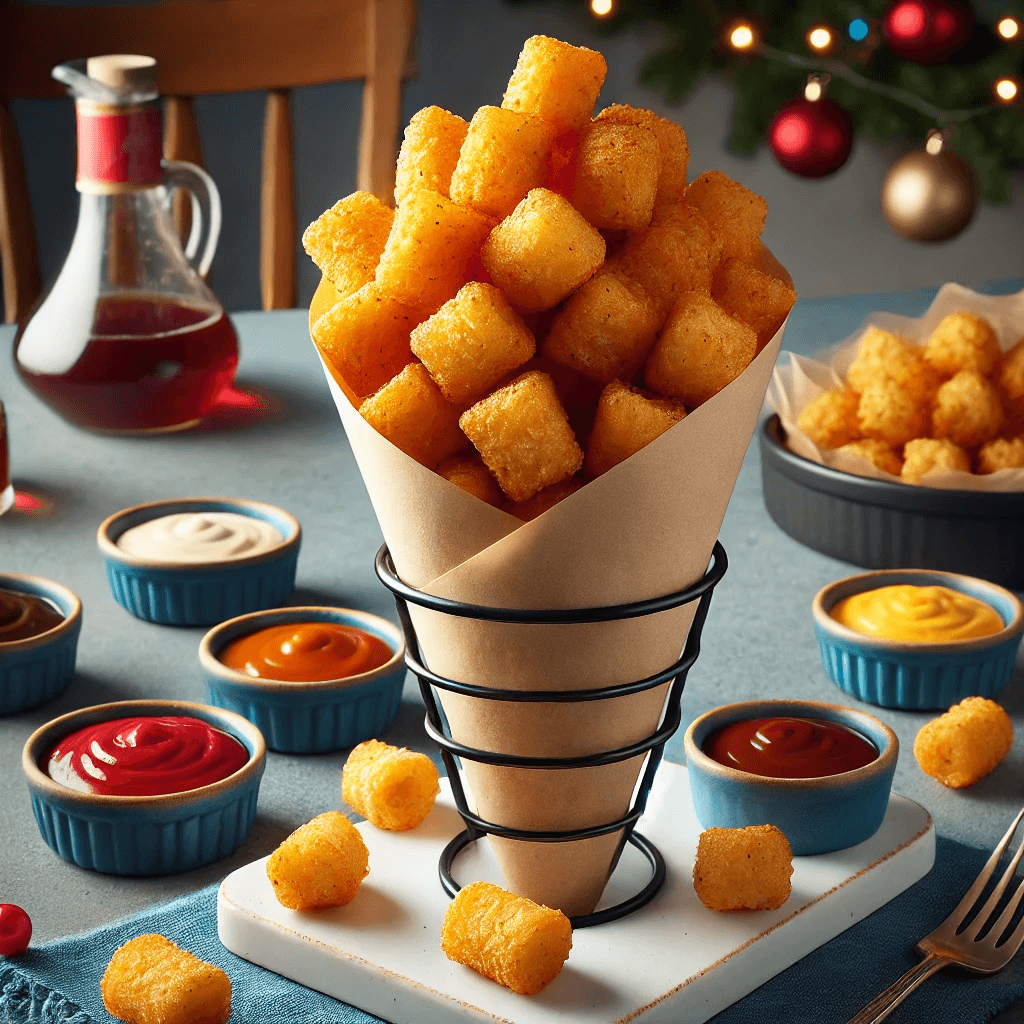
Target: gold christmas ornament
pixel 930 195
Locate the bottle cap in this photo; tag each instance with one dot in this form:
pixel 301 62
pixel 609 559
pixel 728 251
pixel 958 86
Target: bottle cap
pixel 124 71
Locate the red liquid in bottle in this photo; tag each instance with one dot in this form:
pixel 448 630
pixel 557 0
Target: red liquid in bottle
pixel 151 364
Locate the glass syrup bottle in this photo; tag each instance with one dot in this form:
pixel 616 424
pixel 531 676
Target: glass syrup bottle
pixel 129 339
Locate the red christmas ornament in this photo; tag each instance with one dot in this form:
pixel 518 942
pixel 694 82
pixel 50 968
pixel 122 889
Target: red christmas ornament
pixel 811 137
pixel 927 31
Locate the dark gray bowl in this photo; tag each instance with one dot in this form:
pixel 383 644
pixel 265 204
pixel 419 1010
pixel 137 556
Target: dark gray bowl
pixel 881 525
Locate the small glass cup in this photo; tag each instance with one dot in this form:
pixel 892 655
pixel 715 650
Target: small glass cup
pixel 6 487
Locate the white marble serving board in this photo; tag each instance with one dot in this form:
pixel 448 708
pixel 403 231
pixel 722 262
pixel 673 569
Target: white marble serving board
pixel 673 960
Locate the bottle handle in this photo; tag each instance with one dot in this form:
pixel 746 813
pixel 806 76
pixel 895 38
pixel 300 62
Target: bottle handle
pixel 206 214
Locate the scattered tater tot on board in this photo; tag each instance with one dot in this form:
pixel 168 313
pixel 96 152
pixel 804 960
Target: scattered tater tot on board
pixel 1001 453
pixel 966 410
pixel 605 330
pixel 962 341
pixel 627 420
pixel 392 787
pixel 542 252
pixel 556 81
pixel 878 453
pixel 429 152
pixel 522 433
pixel 743 868
pixel 150 980
pixel 471 342
pixel 543 500
pixel 365 337
pixel 347 240
pixel 924 455
pixel 830 420
pixel 321 864
pixel 890 412
pixel 700 351
pixel 753 297
pixel 737 213
pixel 966 743
pixel 673 148
pixel 469 472
pixel 505 155
pixel 413 415
pixel 617 168
pixel 507 938
pixel 431 251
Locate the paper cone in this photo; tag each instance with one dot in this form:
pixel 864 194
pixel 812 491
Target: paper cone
pixel 643 529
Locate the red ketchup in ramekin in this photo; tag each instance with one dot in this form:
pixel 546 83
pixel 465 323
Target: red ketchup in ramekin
pixel 145 756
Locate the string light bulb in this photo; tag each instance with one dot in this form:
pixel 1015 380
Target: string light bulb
pixel 820 38
pixel 1008 28
pixel 1006 89
pixel 741 36
pixel 935 142
pixel 602 9
pixel 815 87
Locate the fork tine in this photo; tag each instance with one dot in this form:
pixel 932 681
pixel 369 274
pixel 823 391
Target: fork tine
pixel 989 909
pixel 1003 923
pixel 972 894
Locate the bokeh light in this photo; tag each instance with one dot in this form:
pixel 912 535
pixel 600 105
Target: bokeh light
pixel 602 8
pixel 32 504
pixel 933 147
pixel 814 90
pixel 1008 28
pixel 858 30
pixel 1006 89
pixel 742 36
pixel 820 38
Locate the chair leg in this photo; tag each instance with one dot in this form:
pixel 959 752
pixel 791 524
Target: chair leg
pixel 277 206
pixel 18 257
pixel 181 142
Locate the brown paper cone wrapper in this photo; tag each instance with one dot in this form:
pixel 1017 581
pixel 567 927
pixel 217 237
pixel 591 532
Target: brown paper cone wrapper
pixel 645 528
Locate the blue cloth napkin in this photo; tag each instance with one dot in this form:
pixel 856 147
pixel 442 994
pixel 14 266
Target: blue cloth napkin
pixel 59 982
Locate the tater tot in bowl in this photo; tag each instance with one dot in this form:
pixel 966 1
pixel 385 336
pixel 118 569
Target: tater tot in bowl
pixel 917 638
pixel 819 802
pixel 966 410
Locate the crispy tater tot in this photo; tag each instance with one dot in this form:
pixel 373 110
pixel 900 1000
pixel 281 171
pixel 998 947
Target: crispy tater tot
pixel 543 500
pixel 962 341
pixel 321 864
pixel 890 412
pixel 830 420
pixel 878 453
pixel 1010 377
pixel 965 743
pixel 469 472
pixel 1001 453
pixel 743 868
pixel 737 213
pixel 392 787
pixel 150 980
pixel 429 152
pixel 967 410
pixel 923 455
pixel 507 938
pixel 882 354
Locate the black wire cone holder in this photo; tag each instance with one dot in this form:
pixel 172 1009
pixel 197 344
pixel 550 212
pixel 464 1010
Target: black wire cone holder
pixel 477 827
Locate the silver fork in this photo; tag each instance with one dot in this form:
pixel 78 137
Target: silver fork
pixel 953 943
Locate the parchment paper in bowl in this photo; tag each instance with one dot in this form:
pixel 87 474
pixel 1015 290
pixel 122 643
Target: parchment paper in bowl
pixel 643 529
pixel 796 384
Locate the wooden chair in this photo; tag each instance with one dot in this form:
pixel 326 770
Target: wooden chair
pixel 211 46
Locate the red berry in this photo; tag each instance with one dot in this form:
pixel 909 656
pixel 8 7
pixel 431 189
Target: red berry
pixel 15 930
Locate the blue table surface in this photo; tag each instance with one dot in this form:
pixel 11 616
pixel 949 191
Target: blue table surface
pixel 758 640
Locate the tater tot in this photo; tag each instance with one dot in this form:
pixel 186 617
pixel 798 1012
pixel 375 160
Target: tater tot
pixel 830 420
pixel 743 868
pixel 966 743
pixel 890 412
pixel 967 410
pixel 507 938
pixel 923 455
pixel 536 506
pixel 469 472
pixel 882 354
pixel 737 213
pixel 321 864
pixel 878 453
pixel 1001 453
pixel 150 980
pixel 429 152
pixel 1010 377
pixel 962 341
pixel 392 787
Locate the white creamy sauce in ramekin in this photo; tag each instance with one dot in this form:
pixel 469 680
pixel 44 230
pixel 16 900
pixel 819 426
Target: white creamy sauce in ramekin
pixel 193 538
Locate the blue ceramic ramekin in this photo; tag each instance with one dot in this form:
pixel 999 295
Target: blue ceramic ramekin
pixel 200 595
pixel 38 668
pixel 817 815
pixel 917 676
pixel 308 718
pixel 144 835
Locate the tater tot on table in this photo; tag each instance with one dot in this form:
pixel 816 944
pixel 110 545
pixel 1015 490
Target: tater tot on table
pixel 743 868
pixel 392 787
pixel 966 743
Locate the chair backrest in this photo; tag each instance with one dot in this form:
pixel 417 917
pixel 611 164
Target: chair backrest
pixel 202 47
